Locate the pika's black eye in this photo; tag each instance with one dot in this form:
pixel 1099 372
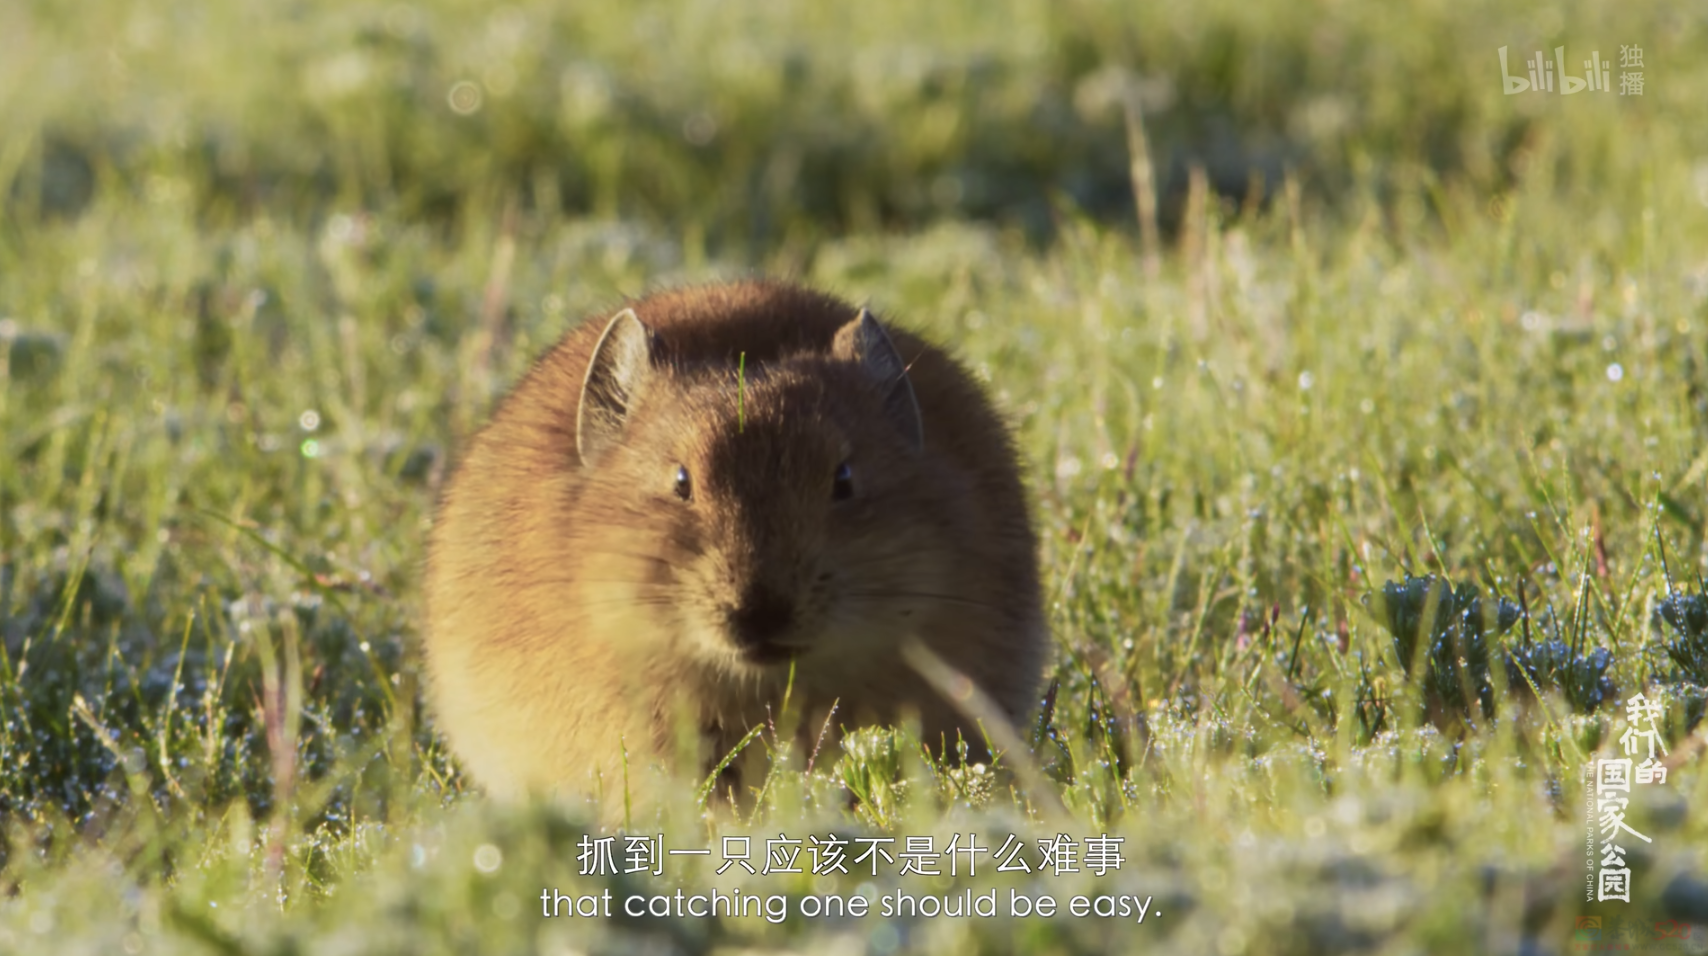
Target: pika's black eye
pixel 843 487
pixel 684 484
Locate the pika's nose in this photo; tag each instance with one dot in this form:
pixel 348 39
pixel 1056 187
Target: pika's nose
pixel 761 617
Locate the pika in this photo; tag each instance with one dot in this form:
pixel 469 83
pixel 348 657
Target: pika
pixel 684 503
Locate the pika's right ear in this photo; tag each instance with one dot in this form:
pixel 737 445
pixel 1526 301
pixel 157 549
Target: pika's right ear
pixel 616 377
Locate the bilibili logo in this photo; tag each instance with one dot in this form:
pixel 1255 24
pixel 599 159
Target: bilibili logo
pixel 1543 75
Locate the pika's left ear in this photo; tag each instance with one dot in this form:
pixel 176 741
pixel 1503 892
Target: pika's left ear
pixel 864 342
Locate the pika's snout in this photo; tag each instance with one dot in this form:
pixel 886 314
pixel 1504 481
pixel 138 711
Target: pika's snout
pixel 760 622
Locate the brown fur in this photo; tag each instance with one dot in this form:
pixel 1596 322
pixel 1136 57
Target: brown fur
pixel 575 610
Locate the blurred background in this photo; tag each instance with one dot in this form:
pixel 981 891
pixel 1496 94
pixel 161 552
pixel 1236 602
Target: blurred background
pixel 748 126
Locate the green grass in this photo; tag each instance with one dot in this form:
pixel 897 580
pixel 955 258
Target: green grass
pixel 258 281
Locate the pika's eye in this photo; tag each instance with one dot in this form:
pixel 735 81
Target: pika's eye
pixel 684 484
pixel 843 487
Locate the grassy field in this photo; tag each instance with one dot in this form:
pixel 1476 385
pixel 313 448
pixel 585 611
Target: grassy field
pixel 263 267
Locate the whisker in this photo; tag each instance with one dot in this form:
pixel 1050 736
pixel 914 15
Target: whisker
pixel 884 561
pixel 641 601
pixel 637 555
pixel 924 595
pixel 580 579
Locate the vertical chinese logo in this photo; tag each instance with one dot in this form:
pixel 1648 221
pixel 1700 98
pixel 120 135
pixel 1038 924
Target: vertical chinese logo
pixel 1613 782
pixel 1542 75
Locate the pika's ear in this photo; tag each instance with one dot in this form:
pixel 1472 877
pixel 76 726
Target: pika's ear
pixel 616 377
pixel 863 341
